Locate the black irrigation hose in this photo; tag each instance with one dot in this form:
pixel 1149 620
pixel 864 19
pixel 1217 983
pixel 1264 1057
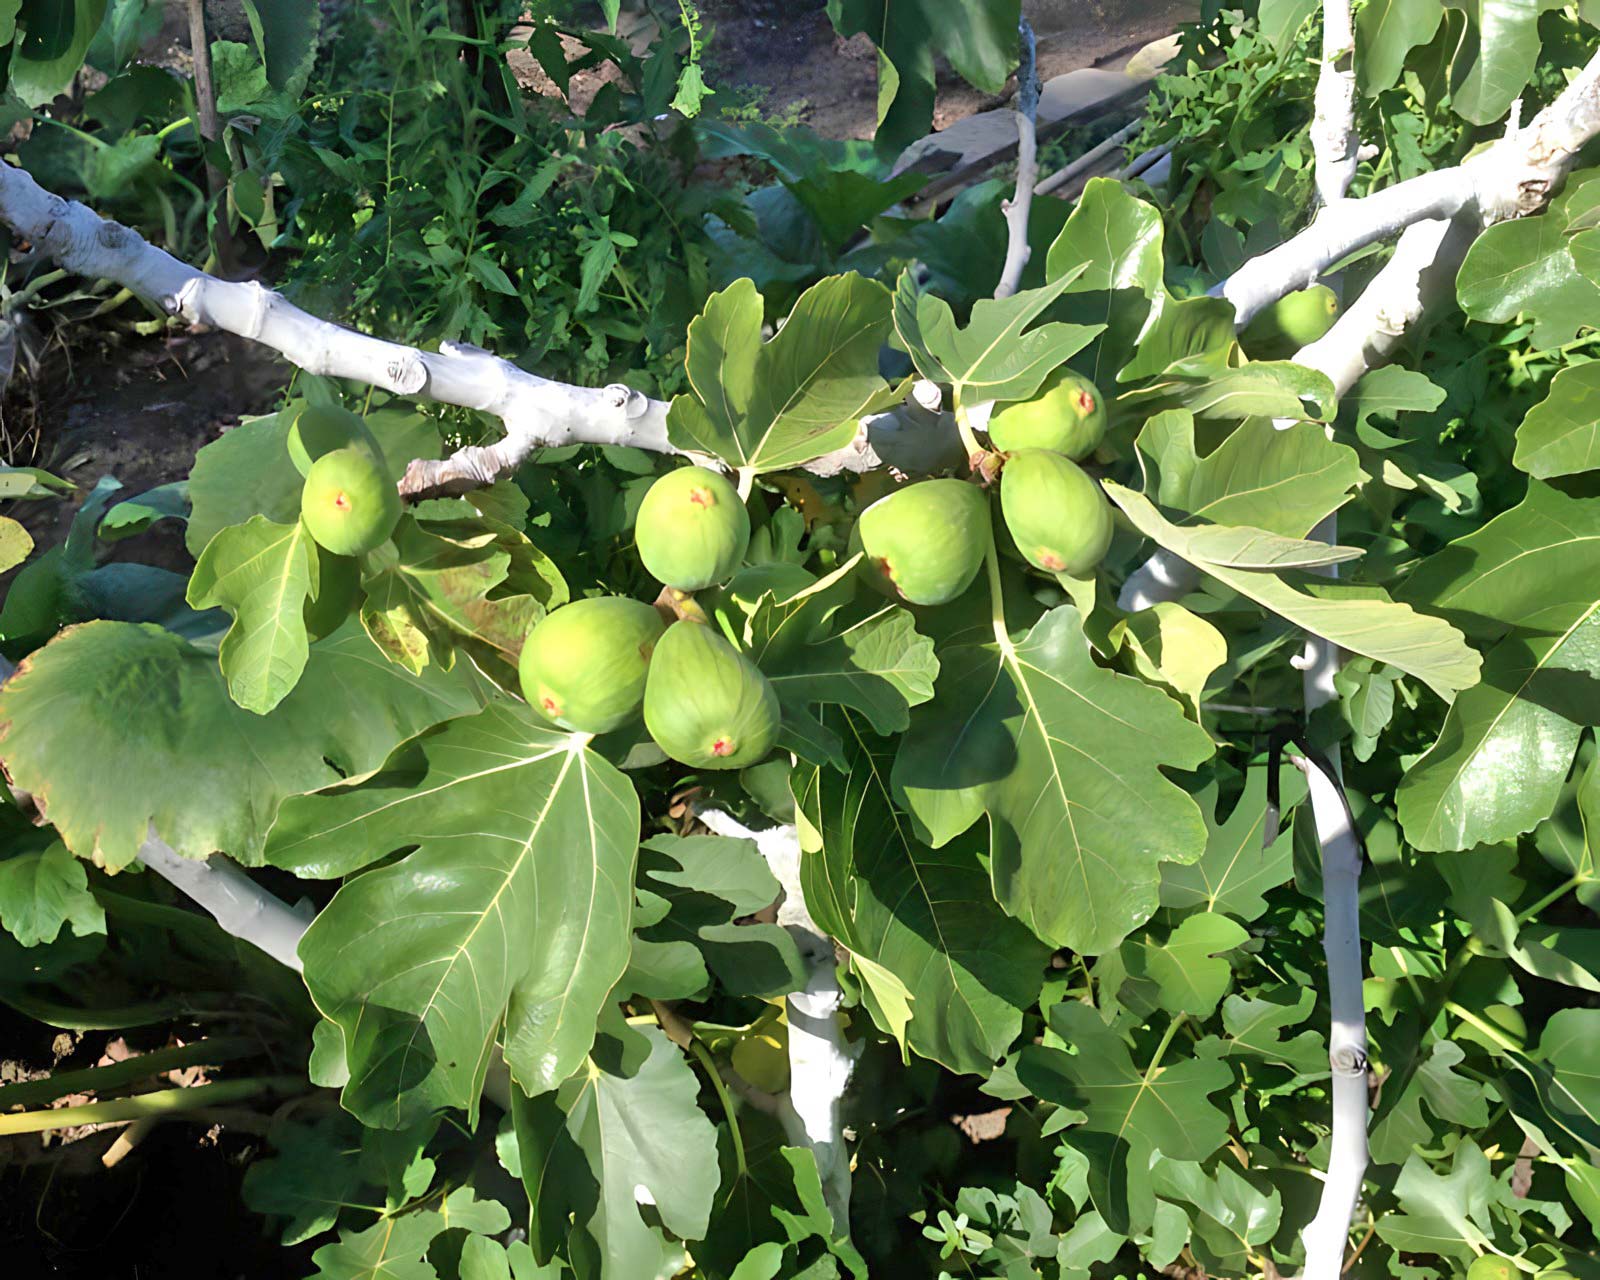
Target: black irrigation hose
pixel 1292 731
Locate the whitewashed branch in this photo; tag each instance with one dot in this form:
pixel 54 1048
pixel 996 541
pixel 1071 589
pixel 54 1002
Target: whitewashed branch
pixel 1327 1234
pixel 237 903
pixel 820 1061
pixel 1334 143
pixel 537 412
pixel 1514 177
pixel 1017 208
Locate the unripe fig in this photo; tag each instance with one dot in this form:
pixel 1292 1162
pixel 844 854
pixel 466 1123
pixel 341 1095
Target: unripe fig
pixel 693 529
pixel 1290 323
pixel 705 703
pixel 1491 1266
pixel 349 503
pixel 583 666
pixel 1066 414
pixel 763 1061
pixel 322 428
pixel 338 578
pixel 1056 512
pixel 925 543
pixel 785 628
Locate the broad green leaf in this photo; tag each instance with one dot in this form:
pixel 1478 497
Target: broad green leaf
pixel 135 515
pixel 1454 1098
pixel 313 1172
pixel 1567 1049
pixel 1498 57
pixel 705 885
pixel 1534 566
pixel 1173 647
pixel 451 580
pixel 978 38
pixel 1235 1218
pixel 1424 647
pixel 16 544
pixel 1253 1027
pixel 262 574
pixel 814 1220
pixel 31 482
pixel 288 33
pixel 632 1111
pixel 767 406
pixel 1262 388
pixel 515 908
pixel 927 916
pixel 1237 867
pixel 1112 241
pixel 117 727
pixel 1444 1214
pixel 879 666
pixel 243 472
pixel 1067 759
pixel 996 356
pixel 1283 481
pixel 58 34
pixel 1386 33
pixel 1525 267
pixel 1188 968
pixel 1560 435
pixel 1281 21
pixel 1129 1114
pixel 1178 331
pixel 393 1249
pixel 44 889
pixel 1507 743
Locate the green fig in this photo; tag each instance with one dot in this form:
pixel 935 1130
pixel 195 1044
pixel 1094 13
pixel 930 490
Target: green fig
pixel 777 632
pixel 1067 414
pixel 322 428
pixel 1293 321
pixel 924 543
pixel 1056 512
pixel 338 580
pixel 583 666
pixel 693 529
pixel 349 503
pixel 1490 1266
pixel 705 703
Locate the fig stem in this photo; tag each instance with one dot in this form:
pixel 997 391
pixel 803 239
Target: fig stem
pixel 997 600
pixel 969 438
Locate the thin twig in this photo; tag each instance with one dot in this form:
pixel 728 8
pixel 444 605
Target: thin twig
pixel 1017 208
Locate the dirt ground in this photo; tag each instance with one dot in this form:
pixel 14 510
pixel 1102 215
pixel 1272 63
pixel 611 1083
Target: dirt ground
pixel 798 69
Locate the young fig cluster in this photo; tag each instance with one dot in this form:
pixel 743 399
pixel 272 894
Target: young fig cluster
pixel 1055 510
pixel 594 665
pixel 925 543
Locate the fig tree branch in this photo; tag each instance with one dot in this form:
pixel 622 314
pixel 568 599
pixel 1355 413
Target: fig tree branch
pixel 1334 141
pixel 820 1061
pixel 1020 205
pixel 1514 177
pixel 537 412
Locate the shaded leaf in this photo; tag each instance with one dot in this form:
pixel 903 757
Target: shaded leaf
pixel 515 907
pixel 153 737
pixel 927 916
pixel 1425 647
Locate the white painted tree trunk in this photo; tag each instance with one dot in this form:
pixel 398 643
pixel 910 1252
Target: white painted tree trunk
pixel 820 1060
